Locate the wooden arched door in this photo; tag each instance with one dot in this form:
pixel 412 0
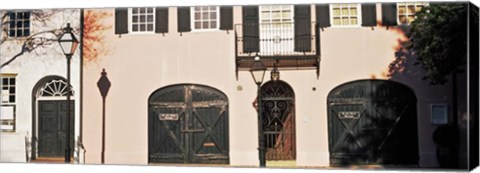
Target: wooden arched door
pixel 188 123
pixel 372 122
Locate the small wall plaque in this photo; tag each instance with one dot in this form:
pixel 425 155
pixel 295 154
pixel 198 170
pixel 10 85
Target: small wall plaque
pixel 349 115
pixel 168 117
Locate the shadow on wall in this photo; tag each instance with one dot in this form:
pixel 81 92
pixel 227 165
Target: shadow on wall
pixel 373 122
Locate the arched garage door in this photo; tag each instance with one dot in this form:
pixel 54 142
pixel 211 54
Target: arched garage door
pixel 372 122
pixel 188 124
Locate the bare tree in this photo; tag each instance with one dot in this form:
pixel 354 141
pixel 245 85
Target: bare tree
pixel 39 39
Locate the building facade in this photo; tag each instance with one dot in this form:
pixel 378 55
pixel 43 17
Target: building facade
pixel 33 73
pixel 156 85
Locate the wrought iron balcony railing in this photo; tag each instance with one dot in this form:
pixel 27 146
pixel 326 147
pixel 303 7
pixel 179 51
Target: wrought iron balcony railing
pixel 286 45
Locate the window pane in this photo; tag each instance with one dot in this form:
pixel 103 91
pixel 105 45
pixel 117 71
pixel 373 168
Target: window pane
pixel 150 27
pixel 12 81
pixel 20 16
pixel 12 16
pixel 336 21
pixel 135 19
pixel 411 18
pixel 150 18
pixel 411 9
pixel 19 33
pixel 135 27
pixel 142 19
pixel 204 8
pixel 403 19
pixel 205 15
pixel 198 25
pixel 213 15
pixel 26 15
pixel 204 25
pixel 11 33
pixel 26 32
pixel 142 27
pixel 134 10
pixel 26 23
pixel 344 11
pixel 12 99
pixel 353 11
pixel 12 24
pixel 197 16
pixel 213 24
pixel 197 8
pixel 345 21
pixel 19 24
pixel 401 9
pixel 353 21
pixel 142 10
pixel 12 90
pixel 149 10
pixel 213 8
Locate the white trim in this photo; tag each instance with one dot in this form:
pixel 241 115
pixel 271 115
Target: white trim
pixel 359 16
pixel 192 20
pixel 130 24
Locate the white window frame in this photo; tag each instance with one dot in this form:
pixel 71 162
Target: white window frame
pixel 130 21
pixel 192 19
pixel 268 32
pixel 9 76
pixel 8 122
pixel 445 115
pixel 29 28
pixel 424 4
pixel 359 16
pixel 261 18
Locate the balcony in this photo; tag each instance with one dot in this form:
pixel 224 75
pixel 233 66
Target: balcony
pixel 286 45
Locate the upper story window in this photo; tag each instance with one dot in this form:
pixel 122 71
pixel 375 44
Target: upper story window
pixel 19 24
pixel 142 20
pixel 276 14
pixel 205 18
pixel 345 14
pixel 407 10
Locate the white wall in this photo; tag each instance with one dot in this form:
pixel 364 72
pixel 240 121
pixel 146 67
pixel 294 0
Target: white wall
pixel 30 68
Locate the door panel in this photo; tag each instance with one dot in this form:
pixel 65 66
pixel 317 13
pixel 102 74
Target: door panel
pixel 188 124
pixel 53 129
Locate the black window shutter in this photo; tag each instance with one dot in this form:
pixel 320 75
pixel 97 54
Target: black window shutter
pixel 389 14
pixel 121 20
pixel 183 14
pixel 323 15
pixel 303 33
pixel 251 38
pixel 161 20
pixel 369 15
pixel 226 17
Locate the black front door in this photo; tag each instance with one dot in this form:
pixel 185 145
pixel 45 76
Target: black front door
pixel 52 128
pixel 188 124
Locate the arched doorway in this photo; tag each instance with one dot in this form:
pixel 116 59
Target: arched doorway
pixel 49 118
pixel 278 116
pixel 188 123
pixel 372 122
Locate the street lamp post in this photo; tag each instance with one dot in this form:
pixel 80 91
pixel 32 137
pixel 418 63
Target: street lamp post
pixel 258 72
pixel 68 42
